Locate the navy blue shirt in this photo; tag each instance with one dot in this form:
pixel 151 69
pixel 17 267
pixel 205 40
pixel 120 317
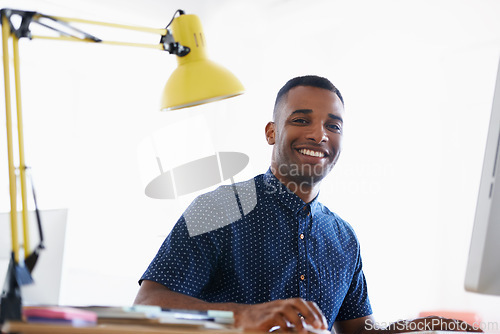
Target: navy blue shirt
pixel 280 247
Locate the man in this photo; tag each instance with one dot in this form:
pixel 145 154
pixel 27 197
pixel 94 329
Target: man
pixel 288 261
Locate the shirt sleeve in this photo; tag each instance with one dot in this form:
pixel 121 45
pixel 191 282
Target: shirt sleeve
pixel 183 264
pixel 356 303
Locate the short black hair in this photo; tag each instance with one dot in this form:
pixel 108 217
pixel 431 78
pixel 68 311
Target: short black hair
pixel 307 80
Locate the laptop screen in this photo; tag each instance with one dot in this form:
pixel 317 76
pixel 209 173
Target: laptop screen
pixel 48 270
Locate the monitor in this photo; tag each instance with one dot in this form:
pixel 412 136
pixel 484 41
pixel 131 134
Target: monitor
pixel 483 267
pixel 48 271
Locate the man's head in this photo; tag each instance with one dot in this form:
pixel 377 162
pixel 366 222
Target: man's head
pixel 307 80
pixel 306 133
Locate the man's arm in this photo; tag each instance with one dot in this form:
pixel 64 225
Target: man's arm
pixel 263 316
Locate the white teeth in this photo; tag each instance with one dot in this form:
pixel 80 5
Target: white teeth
pixel 312 153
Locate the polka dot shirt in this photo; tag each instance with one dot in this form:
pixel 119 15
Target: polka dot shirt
pixel 280 247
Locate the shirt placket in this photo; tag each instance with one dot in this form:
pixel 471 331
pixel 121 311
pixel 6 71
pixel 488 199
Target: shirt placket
pixel 304 217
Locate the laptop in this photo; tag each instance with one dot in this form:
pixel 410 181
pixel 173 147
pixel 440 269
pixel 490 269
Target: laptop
pixel 47 273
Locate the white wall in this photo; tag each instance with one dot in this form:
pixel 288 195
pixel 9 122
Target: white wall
pixel 417 78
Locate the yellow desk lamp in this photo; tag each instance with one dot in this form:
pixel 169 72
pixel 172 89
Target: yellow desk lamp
pixel 196 80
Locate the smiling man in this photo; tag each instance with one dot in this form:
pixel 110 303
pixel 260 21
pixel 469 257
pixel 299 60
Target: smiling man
pixel 284 259
pixel 288 262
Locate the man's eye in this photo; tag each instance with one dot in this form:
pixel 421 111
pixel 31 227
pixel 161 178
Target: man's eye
pixel 299 121
pixel 335 127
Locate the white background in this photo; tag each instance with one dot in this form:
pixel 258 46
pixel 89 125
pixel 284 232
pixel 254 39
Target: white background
pixel 417 78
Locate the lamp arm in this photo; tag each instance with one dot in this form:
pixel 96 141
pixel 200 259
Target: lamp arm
pixel 75 39
pixel 10 143
pixel 67 20
pixel 20 138
pixel 73 34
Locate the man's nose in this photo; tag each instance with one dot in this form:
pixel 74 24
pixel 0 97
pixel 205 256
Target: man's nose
pixel 317 133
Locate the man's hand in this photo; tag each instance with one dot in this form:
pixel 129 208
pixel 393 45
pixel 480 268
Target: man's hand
pixel 432 323
pixel 287 314
pixel 284 313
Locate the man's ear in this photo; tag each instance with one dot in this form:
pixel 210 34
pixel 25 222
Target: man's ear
pixel 270 132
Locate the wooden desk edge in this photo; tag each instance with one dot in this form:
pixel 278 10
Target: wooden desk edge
pixel 36 328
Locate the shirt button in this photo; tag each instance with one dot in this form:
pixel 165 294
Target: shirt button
pixel 306 209
pixel 301 236
pixel 302 277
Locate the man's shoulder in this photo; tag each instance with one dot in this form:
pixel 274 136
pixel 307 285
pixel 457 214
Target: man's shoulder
pixel 226 192
pixel 334 218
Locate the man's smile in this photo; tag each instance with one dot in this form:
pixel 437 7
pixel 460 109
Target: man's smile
pixel 312 153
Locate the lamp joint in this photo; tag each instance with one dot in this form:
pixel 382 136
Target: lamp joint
pixel 26 18
pixel 173 47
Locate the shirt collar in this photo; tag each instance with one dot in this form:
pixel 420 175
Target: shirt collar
pixel 277 189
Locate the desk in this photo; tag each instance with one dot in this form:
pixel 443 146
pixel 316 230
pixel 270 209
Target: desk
pixel 33 328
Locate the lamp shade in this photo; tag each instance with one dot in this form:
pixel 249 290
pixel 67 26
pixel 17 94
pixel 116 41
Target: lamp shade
pixel 199 82
pixel 196 80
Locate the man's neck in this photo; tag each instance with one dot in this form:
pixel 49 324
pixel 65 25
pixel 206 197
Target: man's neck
pixel 305 190
pixel 306 193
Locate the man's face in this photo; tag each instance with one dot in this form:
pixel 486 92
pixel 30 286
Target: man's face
pixel 306 134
